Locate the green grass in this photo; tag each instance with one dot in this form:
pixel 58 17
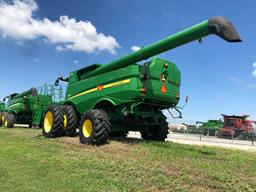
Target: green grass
pixel 29 162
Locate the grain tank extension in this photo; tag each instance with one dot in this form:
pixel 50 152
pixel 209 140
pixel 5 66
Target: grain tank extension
pixel 123 95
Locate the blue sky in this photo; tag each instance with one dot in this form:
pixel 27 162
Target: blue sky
pixel 216 75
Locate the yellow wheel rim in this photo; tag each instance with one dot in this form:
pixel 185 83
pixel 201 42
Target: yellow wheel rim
pixel 48 122
pixel 87 128
pixel 65 121
pixel 6 123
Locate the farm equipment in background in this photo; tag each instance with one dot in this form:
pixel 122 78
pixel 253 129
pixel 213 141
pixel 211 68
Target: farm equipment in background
pixel 236 126
pixel 123 95
pixel 28 107
pixel 2 110
pixel 210 127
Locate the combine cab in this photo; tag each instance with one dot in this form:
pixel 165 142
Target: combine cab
pixel 236 126
pixel 28 107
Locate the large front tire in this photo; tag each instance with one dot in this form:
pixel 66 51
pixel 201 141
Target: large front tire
pixel 9 121
pixel 70 120
pixel 53 122
pixel 94 127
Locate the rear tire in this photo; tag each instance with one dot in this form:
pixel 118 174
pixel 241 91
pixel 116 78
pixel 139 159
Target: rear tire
pixel 147 135
pixel 94 127
pixel 71 120
pixel 9 121
pixel 53 122
pixel 157 133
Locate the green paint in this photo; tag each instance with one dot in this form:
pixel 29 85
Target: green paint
pixel 92 86
pixel 211 126
pixel 28 106
pixel 2 107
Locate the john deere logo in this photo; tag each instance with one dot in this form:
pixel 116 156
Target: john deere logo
pixel 163 77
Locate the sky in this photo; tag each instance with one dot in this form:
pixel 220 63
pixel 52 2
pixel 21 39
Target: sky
pixel 43 39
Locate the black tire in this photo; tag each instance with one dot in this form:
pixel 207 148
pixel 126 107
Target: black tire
pixel 53 122
pixel 9 121
pixel 219 134
pixel 148 134
pixel 71 120
pixel 157 133
pixel 99 130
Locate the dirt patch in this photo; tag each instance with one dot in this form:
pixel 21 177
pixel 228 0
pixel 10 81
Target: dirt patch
pixel 117 147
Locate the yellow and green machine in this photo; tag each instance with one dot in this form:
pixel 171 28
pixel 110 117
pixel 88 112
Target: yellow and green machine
pixel 211 127
pixel 124 95
pixel 28 107
pixel 2 110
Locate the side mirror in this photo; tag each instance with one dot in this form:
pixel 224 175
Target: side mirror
pixel 57 82
pixel 33 91
pixel 186 100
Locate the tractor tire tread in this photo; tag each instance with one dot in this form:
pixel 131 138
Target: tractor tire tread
pixel 72 121
pixel 57 130
pixel 101 127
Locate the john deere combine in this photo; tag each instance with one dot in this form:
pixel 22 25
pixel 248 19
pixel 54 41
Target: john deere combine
pixel 211 127
pixel 2 109
pixel 123 95
pixel 28 107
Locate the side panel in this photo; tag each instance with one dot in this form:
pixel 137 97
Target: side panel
pixel 125 85
pixel 16 105
pixel 2 107
pixel 119 86
pixel 163 83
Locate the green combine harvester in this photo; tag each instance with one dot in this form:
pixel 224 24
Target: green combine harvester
pixel 211 127
pixel 28 106
pixel 2 110
pixel 123 95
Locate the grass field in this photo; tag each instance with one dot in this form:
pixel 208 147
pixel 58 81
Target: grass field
pixel 29 162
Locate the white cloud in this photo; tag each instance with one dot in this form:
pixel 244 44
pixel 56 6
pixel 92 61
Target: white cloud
pixel 76 61
pixel 135 48
pixel 252 85
pixel 60 48
pixel 254 70
pixel 236 79
pixel 17 22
